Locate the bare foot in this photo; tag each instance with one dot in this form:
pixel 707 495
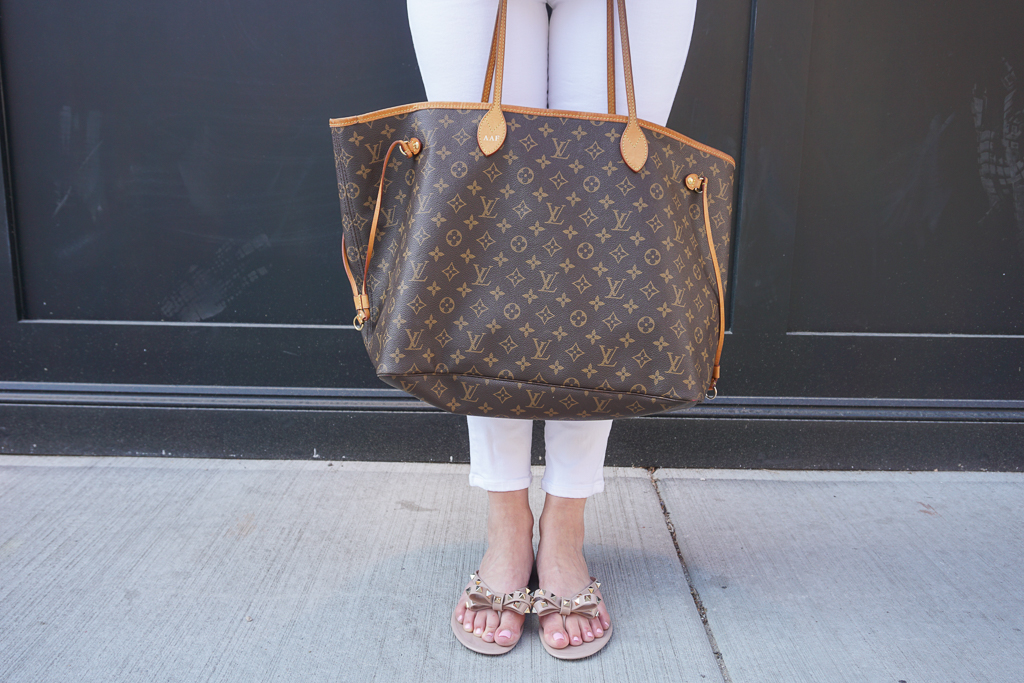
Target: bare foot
pixel 506 566
pixel 562 570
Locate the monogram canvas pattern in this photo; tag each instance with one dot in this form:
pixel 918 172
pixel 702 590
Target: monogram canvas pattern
pixel 547 281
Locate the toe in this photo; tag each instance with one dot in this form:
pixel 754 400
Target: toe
pixel 572 627
pixel 605 620
pixel 596 627
pixel 490 624
pixel 467 621
pixel 510 627
pixel 554 632
pixel 586 630
pixel 480 622
pixel 460 611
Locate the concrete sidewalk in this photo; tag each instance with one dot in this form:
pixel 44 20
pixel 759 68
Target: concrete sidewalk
pixel 146 569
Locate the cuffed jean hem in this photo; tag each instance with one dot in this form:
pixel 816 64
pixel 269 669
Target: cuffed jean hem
pixel 572 491
pixel 502 485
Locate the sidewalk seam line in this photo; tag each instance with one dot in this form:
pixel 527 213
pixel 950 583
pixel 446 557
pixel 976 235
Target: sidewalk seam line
pixel 701 610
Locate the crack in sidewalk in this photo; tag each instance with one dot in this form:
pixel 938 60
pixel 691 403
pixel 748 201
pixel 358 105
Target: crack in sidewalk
pixel 701 610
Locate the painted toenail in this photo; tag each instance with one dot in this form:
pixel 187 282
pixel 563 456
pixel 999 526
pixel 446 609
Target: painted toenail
pixel 600 632
pixel 505 634
pixel 479 631
pixel 558 636
pixel 589 634
pixel 459 618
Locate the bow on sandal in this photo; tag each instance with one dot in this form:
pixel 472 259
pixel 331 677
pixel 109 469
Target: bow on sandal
pixel 583 604
pixel 479 596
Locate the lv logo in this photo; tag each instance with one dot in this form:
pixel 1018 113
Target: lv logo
pixel 675 363
pixel 424 203
pixel 389 216
pixel 602 406
pixel 488 207
pixel 481 275
pixel 548 281
pixel 556 213
pixel 680 293
pixel 535 397
pixel 560 149
pixel 418 270
pixel 677 171
pixel 680 228
pixel 614 288
pixel 375 154
pixel 723 191
pixel 469 392
pixel 429 136
pixel 607 356
pixel 620 220
pixel 414 340
pixel 542 349
pixel 474 342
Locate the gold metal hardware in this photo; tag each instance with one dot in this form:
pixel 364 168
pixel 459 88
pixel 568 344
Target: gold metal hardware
pixel 693 182
pixel 410 148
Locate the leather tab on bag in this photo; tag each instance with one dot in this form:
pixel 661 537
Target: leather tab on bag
pixel 633 146
pixel 490 134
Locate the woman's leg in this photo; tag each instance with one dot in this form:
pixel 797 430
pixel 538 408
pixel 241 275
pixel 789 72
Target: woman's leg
pixel 659 42
pixel 499 463
pixel 574 457
pixel 659 32
pixel 452 40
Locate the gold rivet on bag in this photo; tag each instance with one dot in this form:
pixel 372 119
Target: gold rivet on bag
pixel 693 182
pixel 410 148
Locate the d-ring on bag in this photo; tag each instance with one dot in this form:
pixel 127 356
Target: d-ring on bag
pixel 535 263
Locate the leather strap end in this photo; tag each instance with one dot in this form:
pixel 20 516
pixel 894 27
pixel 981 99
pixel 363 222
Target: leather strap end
pixel 490 134
pixel 362 302
pixel 633 146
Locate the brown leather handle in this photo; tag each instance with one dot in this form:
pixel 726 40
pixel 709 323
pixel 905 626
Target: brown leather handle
pixel 493 129
pixel 610 62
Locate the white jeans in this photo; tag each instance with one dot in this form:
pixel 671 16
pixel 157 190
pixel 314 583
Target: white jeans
pixel 558 64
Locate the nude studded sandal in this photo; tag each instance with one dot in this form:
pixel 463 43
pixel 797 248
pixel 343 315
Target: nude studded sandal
pixel 584 604
pixel 479 596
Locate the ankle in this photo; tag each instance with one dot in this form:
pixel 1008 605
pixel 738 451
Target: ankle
pixel 562 520
pixel 509 514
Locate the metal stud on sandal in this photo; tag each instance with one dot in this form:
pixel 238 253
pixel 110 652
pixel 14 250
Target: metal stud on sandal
pixel 583 604
pixel 479 596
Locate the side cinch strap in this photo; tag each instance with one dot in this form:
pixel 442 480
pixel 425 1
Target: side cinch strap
pixel 718 281
pixel 359 295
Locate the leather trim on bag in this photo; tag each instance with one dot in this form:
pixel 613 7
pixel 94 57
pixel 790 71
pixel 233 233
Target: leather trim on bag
pixel 529 111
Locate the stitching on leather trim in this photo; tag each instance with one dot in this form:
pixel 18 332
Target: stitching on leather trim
pixel 585 116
